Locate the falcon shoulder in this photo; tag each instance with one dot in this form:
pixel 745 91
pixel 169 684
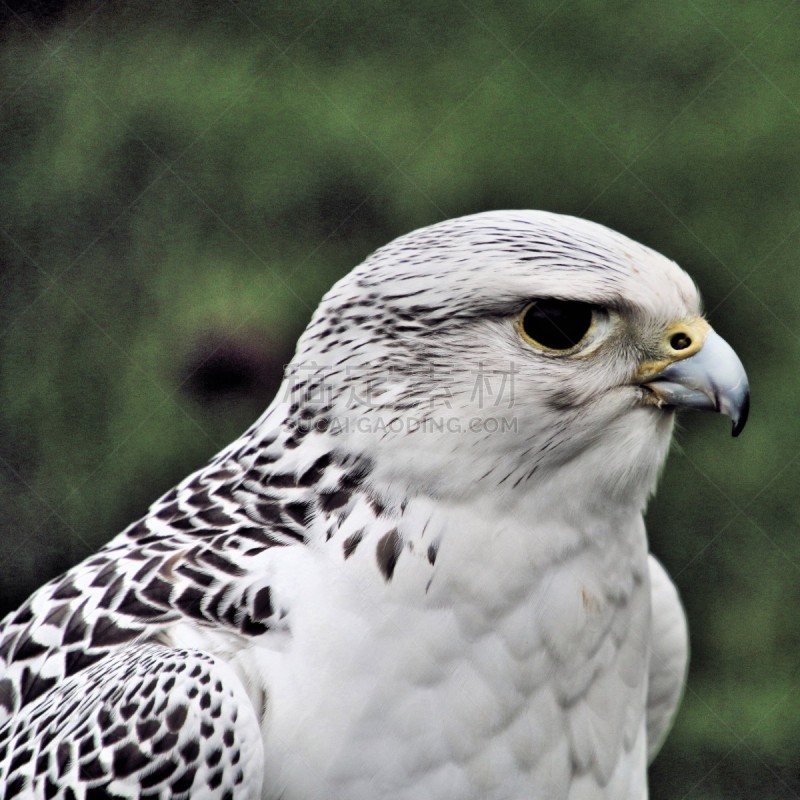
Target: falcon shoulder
pixel 669 658
pixel 145 722
pixel 120 675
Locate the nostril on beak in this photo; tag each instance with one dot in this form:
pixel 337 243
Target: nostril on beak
pixel 680 341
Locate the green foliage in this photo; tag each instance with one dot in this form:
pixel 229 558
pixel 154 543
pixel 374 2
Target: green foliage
pixel 184 170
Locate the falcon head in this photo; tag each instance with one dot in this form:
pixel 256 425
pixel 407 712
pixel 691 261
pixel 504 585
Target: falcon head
pixel 508 346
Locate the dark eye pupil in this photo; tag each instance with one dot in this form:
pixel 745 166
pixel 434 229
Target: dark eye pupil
pixel 557 324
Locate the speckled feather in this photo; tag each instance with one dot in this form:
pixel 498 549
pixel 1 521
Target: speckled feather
pixel 336 608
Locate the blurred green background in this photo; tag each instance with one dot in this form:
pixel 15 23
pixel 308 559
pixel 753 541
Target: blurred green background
pixel 182 181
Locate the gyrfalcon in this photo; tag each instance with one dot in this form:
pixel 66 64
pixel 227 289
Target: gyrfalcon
pixel 423 573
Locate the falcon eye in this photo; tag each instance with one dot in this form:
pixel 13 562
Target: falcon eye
pixel 558 325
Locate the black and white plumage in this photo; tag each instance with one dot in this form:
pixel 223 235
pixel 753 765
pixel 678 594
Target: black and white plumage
pixel 379 592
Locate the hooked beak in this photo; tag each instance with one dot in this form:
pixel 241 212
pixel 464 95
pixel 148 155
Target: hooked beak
pixel 713 379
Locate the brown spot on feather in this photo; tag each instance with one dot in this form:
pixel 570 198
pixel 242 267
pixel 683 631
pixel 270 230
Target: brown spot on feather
pixel 591 604
pixel 351 542
pixel 388 552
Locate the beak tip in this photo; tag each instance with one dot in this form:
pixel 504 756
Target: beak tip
pixel 742 412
